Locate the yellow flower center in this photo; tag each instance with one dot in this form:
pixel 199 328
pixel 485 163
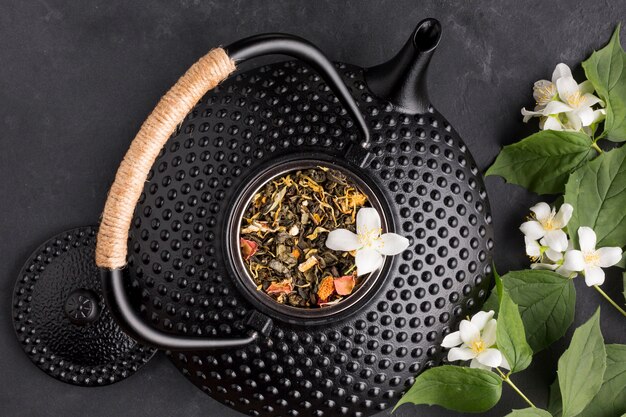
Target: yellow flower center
pixel 575 99
pixel 548 224
pixel 544 94
pixel 591 257
pixel 478 346
pixel 369 237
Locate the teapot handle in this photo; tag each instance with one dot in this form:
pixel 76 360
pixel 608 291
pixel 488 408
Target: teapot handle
pixel 204 75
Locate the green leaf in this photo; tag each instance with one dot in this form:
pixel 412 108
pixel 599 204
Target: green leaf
pixel 529 412
pixel 606 69
pixel 597 192
pixel 624 287
pixel 542 162
pixel 581 367
pixel 546 304
pixel 611 399
pixel 493 301
pixel 555 403
pixel 467 390
pixel 510 335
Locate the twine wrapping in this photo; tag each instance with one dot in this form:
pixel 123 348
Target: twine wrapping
pixel 131 175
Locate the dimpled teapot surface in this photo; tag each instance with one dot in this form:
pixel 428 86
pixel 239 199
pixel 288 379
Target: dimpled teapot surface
pixel 355 360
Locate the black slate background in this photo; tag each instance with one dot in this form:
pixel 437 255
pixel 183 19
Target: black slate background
pixel 77 78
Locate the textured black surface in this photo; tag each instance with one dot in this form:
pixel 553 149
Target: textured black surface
pixel 349 365
pixel 78 78
pixel 60 318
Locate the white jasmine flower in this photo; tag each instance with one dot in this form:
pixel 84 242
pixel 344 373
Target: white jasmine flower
pixel 536 250
pixel 550 123
pixel 547 224
pixel 474 340
pixel 558 268
pixel 369 244
pixel 590 260
pixel 579 99
pixel 544 91
pixel 563 104
pixel 548 259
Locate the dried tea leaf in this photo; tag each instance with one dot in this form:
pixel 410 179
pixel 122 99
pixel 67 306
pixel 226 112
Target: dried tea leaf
pixel 316 232
pixel 286 220
pixel 308 264
pixel 278 198
pixel 279 267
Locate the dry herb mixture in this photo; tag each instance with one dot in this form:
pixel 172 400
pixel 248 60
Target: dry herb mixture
pixel 283 235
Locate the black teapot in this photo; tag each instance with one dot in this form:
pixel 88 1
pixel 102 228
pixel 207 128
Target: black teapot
pixel 172 277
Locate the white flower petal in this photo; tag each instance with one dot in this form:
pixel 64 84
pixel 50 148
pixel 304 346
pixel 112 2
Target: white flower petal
pixel 543 266
pixel 586 239
pixel 609 256
pixel 392 244
pixel 505 364
pixel 475 364
pixel 564 272
pixel 489 333
pixel 543 92
pixel 574 260
pixel 551 123
pixel 586 115
pixel 367 260
pixel 481 318
pixel 566 86
pixel 553 255
pixel 533 248
pixel 490 357
pixel 590 100
pixel 556 239
pixel 573 122
pixel 533 229
pixel 542 211
pixel 594 275
pixel 343 240
pixel 585 87
pixel 598 115
pixel 367 220
pixel 531 113
pixel 561 70
pixel 556 107
pixel 469 332
pixel 460 354
pixel 564 215
pixel 452 340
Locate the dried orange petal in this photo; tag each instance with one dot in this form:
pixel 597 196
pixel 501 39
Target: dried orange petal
pixel 344 285
pixel 282 287
pixel 248 248
pixel 326 288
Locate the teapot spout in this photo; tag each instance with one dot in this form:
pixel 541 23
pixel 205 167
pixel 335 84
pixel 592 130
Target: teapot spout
pixel 402 79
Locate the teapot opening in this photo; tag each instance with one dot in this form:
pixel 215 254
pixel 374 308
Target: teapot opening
pixel 402 79
pixel 427 35
pixel 248 281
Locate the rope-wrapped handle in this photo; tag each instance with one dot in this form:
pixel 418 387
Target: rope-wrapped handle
pixel 204 75
pixel 129 181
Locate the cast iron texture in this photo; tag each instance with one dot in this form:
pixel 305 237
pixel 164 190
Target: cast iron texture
pixel 61 320
pixel 354 364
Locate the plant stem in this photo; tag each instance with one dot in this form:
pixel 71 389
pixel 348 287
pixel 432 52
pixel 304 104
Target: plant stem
pixel 610 300
pixel 595 146
pixel 507 379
